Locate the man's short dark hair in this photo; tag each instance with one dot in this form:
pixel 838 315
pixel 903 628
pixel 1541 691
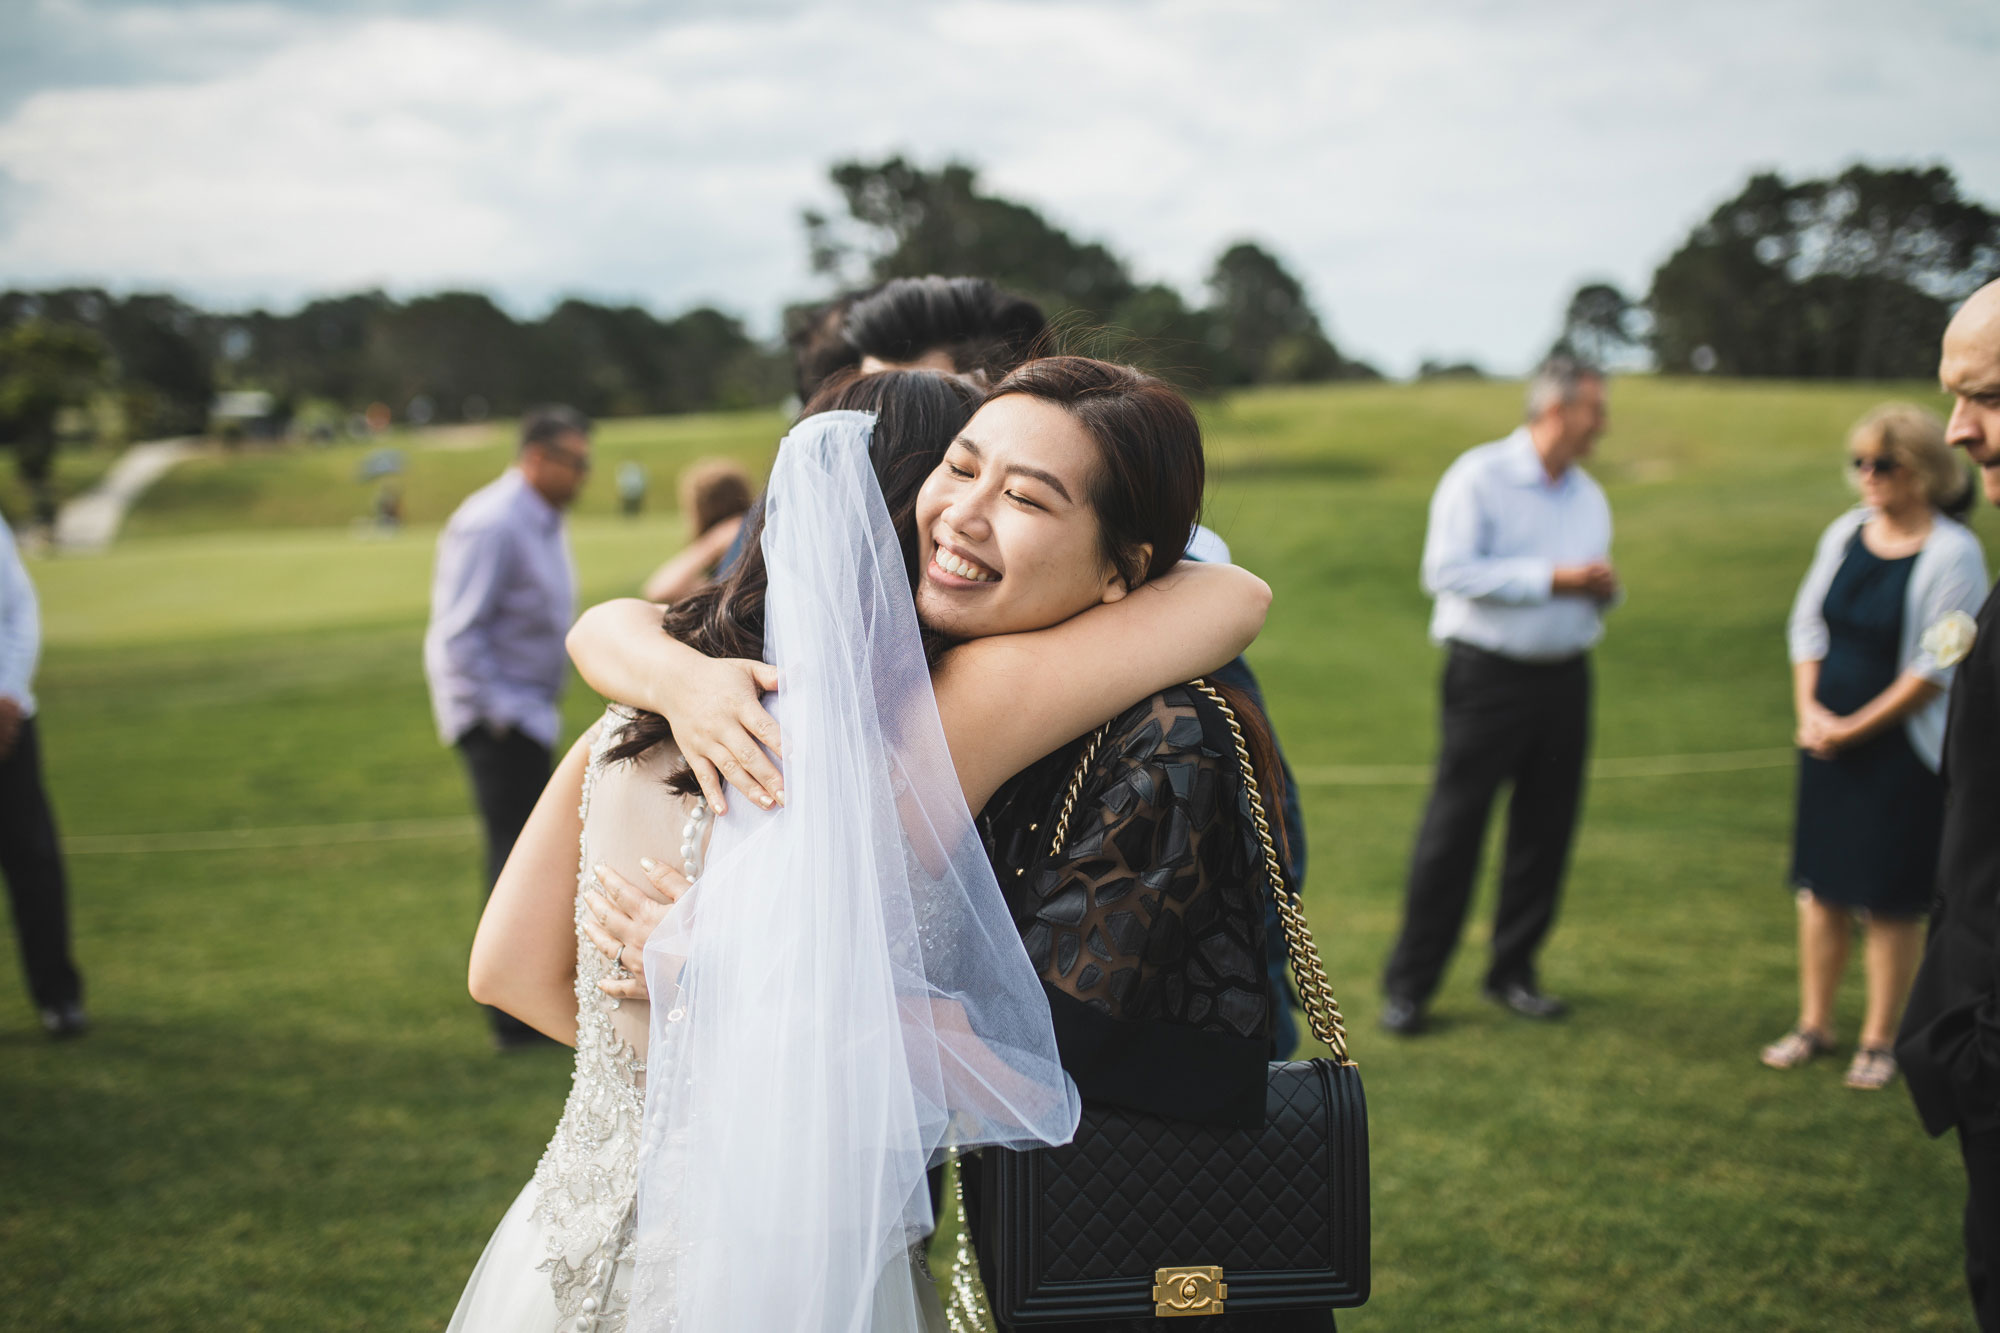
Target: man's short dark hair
pixel 545 426
pixel 983 329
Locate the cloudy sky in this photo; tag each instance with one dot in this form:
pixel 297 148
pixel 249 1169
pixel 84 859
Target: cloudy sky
pixel 1440 175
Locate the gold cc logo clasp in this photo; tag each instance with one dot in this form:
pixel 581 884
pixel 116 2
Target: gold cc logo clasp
pixel 1197 1290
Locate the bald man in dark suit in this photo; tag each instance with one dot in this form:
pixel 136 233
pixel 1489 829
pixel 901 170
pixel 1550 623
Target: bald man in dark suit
pixel 1949 1045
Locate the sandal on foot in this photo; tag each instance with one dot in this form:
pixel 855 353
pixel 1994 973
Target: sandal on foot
pixel 1872 1069
pixel 1796 1048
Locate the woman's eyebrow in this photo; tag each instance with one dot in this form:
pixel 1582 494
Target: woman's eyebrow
pixel 1049 479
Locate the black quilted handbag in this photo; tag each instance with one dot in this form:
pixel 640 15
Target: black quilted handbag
pixel 1144 1216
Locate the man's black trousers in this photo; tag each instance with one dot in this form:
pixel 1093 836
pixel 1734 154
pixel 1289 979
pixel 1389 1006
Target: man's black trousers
pixel 1505 722
pixel 1982 1223
pixel 508 771
pixel 31 861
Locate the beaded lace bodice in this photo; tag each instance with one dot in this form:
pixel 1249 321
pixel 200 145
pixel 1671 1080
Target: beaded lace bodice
pixel 588 1176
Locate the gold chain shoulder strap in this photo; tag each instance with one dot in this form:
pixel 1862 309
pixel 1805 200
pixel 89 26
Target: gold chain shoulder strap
pixel 966 1306
pixel 1308 970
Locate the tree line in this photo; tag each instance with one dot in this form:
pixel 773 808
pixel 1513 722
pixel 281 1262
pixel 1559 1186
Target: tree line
pixel 1258 326
pixel 1852 276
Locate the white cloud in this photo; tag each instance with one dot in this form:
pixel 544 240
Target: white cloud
pixel 1440 178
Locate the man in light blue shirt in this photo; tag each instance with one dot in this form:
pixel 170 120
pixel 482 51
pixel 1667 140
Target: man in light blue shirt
pixel 30 854
pixel 502 598
pixel 1517 556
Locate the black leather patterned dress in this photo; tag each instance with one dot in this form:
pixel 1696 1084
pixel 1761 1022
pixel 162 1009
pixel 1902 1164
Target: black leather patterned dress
pixel 1147 928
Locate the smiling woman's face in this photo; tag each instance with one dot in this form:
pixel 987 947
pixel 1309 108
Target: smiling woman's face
pixel 1005 532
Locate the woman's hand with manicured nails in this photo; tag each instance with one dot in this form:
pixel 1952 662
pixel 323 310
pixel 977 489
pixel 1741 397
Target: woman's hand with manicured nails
pixel 623 916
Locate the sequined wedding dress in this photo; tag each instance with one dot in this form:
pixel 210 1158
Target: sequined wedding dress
pixel 561 1259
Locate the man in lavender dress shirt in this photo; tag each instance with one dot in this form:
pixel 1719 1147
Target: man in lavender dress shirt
pixel 502 599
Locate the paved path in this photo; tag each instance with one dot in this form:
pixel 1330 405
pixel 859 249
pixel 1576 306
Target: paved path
pixel 464 826
pixel 90 521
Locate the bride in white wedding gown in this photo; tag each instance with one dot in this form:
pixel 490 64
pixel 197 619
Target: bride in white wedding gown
pixel 839 1019
pixel 854 864
pixel 840 995
pixel 562 1257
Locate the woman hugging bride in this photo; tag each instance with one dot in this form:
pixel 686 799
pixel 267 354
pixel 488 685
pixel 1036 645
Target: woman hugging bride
pixel 840 996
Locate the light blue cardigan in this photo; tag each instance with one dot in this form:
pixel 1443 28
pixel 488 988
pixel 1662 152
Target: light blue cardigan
pixel 1950 575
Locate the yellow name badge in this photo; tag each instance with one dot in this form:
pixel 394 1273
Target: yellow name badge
pixel 1188 1291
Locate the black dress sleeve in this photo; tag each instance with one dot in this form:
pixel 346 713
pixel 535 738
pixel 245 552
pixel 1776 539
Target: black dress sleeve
pixel 1147 925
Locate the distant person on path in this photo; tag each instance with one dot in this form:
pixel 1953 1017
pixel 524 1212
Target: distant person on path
pixel 1518 559
pixel 30 855
pixel 1949 1044
pixel 715 494
pixel 1869 687
pixel 502 598
pixel 631 488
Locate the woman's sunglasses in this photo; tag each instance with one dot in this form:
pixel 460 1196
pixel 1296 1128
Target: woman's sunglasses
pixel 1877 467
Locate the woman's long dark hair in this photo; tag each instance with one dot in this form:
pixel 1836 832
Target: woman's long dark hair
pixel 917 415
pixel 1147 493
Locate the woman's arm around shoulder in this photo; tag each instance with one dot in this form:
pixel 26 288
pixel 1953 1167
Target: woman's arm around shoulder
pixel 1008 700
pixel 524 954
pixel 714 705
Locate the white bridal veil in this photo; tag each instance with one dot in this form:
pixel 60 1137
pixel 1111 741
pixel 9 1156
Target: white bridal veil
pixel 841 996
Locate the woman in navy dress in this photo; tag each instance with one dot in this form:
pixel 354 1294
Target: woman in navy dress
pixel 1869 676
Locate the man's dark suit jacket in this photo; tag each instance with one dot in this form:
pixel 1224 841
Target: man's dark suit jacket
pixel 1949 1046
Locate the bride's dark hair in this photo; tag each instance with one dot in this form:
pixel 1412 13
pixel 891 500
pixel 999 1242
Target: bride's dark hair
pixel 917 414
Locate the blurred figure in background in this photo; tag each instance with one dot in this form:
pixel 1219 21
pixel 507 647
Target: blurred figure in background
pixel 30 855
pixel 631 488
pixel 1518 557
pixel 502 598
pixel 1869 688
pixel 1949 1045
pixel 715 494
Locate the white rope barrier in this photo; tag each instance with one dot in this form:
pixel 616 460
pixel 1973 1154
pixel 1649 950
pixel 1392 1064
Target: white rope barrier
pixel 1643 766
pixel 464 826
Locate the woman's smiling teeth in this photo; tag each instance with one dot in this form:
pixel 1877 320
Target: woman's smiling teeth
pixel 964 569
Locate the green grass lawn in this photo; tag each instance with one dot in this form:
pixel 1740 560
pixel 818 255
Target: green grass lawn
pixel 308 485
pixel 288 1117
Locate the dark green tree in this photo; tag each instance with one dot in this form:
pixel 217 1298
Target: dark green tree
pixel 912 222
pixel 161 349
pixel 321 351
pixel 905 221
pixel 1600 324
pixel 447 349
pixel 621 361
pixel 1262 324
pixel 1852 277
pixel 44 367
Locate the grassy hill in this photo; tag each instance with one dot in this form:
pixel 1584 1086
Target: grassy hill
pixel 289 1118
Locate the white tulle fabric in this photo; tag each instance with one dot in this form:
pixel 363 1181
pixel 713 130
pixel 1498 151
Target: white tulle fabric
pixel 841 997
